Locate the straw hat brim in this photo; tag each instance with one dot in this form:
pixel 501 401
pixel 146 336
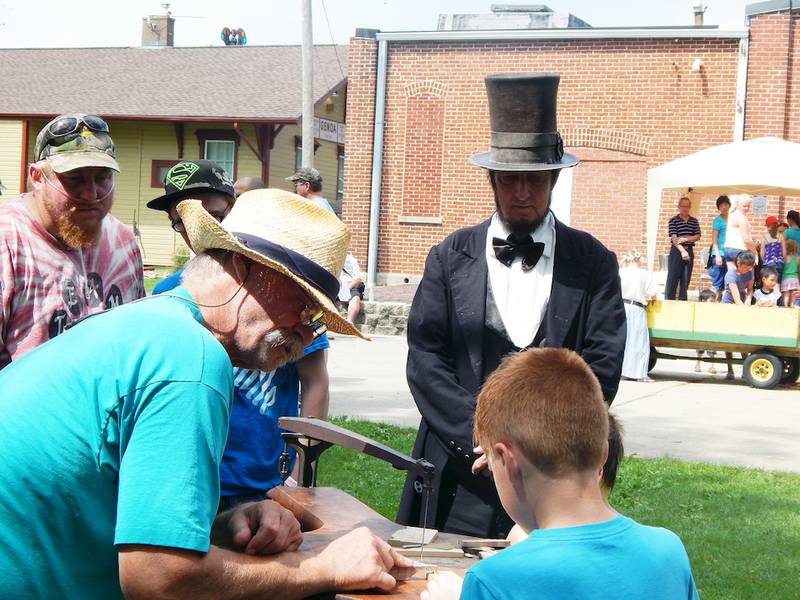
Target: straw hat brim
pixel 206 233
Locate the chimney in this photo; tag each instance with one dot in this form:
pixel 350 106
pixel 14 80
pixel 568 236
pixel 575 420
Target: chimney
pixel 699 11
pixel 158 30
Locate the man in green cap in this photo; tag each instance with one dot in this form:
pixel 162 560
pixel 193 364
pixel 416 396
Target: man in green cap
pixel 308 184
pixel 62 255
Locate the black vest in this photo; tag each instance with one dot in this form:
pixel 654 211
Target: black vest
pixel 496 341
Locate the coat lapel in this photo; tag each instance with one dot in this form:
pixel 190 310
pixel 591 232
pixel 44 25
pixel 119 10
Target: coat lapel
pixel 468 276
pixel 571 279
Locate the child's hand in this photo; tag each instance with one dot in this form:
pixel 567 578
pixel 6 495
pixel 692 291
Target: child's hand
pixel 443 586
pixel 481 463
pixel 718 260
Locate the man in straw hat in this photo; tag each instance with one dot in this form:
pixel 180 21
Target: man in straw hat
pixel 110 468
pixel 63 254
pixel 519 279
pixel 251 461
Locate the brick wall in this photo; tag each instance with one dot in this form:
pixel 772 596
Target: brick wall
pixel 624 106
pixel 773 88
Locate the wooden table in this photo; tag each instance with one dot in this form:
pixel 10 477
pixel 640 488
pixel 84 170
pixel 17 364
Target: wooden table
pixel 341 513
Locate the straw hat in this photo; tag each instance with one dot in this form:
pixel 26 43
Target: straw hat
pixel 284 232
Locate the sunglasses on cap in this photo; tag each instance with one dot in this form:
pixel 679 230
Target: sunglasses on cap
pixel 65 129
pixel 71 124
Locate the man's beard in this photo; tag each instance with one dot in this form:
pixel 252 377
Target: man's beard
pixel 287 339
pixel 76 237
pixel 522 227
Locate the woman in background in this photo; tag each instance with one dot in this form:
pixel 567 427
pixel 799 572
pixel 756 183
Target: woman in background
pixel 638 288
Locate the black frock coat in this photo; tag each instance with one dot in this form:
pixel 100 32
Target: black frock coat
pixel 446 329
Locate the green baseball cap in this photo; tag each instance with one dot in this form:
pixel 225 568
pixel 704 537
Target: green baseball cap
pixel 308 174
pixel 189 177
pixel 74 141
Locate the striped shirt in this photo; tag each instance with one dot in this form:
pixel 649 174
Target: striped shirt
pixel 680 228
pixel 44 286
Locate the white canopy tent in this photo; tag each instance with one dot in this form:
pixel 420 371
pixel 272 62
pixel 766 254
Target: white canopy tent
pixel 762 166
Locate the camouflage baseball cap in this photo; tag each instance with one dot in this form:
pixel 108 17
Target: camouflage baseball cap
pixel 86 143
pixel 308 174
pixel 189 177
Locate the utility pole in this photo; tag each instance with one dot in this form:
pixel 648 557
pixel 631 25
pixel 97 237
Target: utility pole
pixel 308 87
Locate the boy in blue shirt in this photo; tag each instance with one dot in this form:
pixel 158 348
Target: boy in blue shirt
pixel 543 423
pixel 739 280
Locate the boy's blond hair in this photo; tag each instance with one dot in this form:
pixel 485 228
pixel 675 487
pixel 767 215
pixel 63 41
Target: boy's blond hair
pixel 548 403
pixel 791 247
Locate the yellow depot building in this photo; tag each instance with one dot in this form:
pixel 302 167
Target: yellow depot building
pixel 237 105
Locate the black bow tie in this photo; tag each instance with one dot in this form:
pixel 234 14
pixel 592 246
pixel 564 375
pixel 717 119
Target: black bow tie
pixel 507 250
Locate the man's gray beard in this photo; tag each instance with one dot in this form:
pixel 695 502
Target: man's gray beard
pixel 521 228
pixel 289 340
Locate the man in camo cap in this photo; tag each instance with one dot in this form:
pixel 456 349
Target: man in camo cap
pixel 62 255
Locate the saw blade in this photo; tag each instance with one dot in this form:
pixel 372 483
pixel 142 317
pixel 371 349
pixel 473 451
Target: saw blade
pixel 427 493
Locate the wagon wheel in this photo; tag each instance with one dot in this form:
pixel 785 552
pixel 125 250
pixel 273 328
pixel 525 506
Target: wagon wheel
pixel 651 362
pixel 763 370
pixel 791 369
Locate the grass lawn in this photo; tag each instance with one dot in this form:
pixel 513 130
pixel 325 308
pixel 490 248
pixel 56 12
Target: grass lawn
pixel 150 283
pixel 741 527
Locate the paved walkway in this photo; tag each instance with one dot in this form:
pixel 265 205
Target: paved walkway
pixel 683 414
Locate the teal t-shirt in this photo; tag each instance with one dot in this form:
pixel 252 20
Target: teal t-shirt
pixel 792 233
pixel 720 225
pixel 110 434
pixel 618 559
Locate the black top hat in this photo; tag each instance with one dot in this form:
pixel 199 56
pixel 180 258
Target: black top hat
pixel 189 177
pixel 522 110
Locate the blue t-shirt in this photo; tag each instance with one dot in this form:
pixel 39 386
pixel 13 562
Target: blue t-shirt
pixel 252 452
pixel 732 276
pixel 251 460
pixel 618 559
pixel 169 282
pixel 721 225
pixel 110 434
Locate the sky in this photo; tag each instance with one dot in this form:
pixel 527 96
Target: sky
pixel 101 23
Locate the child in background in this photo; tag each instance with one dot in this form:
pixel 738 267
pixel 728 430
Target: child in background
pixel 771 247
pixel 789 283
pixel 739 280
pixel 768 294
pixel 706 296
pixel 710 296
pixel 542 421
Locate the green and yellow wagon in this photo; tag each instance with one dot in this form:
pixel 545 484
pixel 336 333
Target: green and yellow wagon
pixel 767 339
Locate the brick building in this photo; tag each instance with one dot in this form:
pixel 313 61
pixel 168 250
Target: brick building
pixel 629 100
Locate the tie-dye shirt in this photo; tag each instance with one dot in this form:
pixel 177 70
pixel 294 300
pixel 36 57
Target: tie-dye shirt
pixel 44 285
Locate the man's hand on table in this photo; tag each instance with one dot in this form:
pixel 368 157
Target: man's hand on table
pixel 443 586
pixel 360 561
pixel 257 528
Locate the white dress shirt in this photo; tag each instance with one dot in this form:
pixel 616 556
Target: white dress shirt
pixel 637 284
pixel 521 296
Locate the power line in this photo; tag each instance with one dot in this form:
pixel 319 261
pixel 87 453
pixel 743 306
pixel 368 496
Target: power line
pixel 330 31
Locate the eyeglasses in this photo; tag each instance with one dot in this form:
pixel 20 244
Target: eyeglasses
pixel 531 178
pixel 179 227
pixel 311 316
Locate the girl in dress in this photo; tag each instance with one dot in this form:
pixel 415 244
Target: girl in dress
pixel 790 287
